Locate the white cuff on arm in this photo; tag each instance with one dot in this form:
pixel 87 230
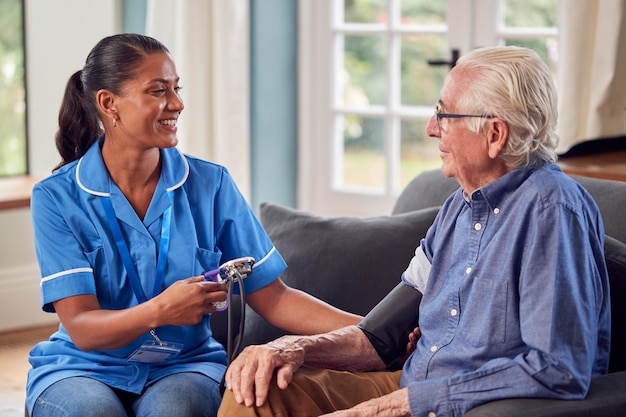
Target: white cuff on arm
pixel 418 271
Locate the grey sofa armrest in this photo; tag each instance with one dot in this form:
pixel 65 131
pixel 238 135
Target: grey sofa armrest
pixel 607 397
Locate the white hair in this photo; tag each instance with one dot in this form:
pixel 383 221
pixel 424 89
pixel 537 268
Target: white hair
pixel 514 84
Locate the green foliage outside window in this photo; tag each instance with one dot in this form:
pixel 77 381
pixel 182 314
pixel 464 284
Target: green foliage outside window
pixel 12 90
pixel 364 80
pixel 530 13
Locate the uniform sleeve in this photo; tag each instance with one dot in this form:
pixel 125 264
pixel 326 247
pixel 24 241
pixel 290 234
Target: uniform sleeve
pixel 64 264
pixel 240 234
pixel 564 319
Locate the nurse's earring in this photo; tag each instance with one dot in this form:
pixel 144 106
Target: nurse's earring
pixel 114 122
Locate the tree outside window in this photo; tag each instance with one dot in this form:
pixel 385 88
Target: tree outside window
pixel 12 89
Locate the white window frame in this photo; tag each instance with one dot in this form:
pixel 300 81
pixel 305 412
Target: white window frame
pixel 317 106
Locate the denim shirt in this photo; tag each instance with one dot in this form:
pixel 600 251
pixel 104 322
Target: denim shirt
pixel 516 301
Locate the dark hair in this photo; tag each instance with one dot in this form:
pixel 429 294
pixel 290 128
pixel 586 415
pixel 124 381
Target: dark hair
pixel 113 61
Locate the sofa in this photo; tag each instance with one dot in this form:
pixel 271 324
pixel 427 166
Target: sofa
pixel 352 263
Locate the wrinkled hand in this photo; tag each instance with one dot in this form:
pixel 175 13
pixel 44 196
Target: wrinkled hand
pixel 395 404
pixel 250 374
pixel 186 301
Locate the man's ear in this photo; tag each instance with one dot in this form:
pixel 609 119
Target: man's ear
pixel 497 136
pixel 105 101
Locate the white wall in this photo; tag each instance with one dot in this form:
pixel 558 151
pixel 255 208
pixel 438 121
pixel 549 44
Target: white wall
pixel 59 35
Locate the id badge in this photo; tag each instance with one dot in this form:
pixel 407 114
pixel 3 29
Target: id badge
pixel 153 352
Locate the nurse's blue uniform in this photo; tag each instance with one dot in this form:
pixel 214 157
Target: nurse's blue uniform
pixel 211 223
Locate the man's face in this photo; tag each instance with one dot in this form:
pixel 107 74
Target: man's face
pixel 464 154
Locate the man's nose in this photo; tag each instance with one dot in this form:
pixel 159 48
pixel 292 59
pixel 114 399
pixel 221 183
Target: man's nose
pixel 432 129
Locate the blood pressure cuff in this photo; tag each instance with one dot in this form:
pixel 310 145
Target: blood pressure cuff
pixel 388 324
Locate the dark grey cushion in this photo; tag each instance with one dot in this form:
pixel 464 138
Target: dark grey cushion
pixel 351 263
pixel 615 255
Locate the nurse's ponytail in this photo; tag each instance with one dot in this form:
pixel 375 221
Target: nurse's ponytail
pixel 79 125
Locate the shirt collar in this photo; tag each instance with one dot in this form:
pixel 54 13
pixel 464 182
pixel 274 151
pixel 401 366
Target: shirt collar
pixel 93 177
pixel 496 191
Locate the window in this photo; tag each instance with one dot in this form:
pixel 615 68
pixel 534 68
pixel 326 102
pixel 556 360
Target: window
pixel 385 63
pixel 386 90
pixel 12 89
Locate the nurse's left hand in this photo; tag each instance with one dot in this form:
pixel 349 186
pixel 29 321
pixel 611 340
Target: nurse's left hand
pixel 186 301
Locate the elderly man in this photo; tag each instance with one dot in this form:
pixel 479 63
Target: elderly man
pixel 514 287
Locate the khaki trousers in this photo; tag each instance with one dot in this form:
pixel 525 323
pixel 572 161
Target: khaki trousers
pixel 314 392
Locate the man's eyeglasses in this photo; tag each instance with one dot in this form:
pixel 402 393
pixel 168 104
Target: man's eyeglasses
pixel 442 118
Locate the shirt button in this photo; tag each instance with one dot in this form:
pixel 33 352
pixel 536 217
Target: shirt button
pixel 468 270
pixel 432 414
pixel 433 348
pixel 496 210
pixel 478 226
pixel 454 312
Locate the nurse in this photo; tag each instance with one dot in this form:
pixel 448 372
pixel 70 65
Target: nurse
pixel 124 229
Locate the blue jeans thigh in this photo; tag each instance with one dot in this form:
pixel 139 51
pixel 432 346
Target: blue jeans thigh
pixel 185 394
pixel 80 397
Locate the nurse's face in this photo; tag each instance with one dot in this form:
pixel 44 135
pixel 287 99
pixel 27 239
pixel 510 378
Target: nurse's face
pixel 149 105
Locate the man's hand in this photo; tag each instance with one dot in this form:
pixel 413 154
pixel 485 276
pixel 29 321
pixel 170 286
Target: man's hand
pixel 412 343
pixel 250 374
pixel 395 404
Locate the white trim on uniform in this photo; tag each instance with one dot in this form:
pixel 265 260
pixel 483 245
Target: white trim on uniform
pixel 67 272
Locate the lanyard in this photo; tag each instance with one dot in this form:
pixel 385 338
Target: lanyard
pixel 122 248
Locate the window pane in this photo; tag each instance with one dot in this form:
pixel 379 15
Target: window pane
pixel 530 13
pixel 423 12
pixel 420 82
pixel 12 91
pixel 363 152
pixel 365 11
pixel 418 152
pixel 364 70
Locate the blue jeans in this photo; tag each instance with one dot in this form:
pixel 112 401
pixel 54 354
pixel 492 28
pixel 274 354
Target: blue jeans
pixel 181 395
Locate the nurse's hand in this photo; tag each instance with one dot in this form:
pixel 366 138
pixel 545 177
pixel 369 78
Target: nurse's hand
pixel 186 301
pixel 93 328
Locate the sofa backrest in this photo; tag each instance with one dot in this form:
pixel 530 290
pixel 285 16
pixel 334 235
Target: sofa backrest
pixel 428 189
pixel 611 199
